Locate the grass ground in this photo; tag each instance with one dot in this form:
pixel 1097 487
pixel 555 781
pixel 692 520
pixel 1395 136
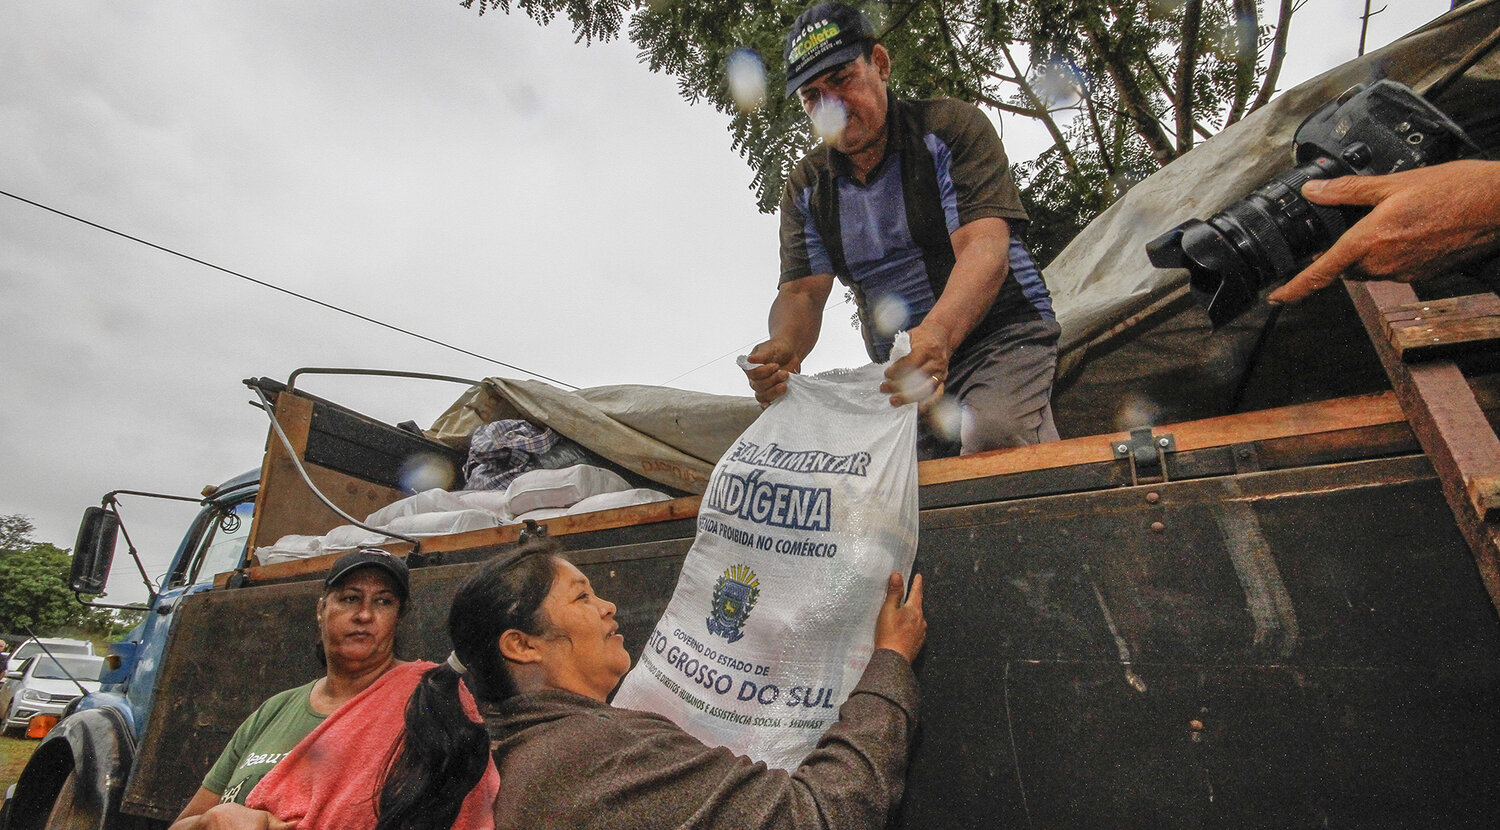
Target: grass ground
pixel 13 755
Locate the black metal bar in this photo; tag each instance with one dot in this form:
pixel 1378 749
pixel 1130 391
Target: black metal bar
pixel 291 382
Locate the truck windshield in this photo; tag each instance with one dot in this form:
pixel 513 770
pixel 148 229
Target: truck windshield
pixel 64 667
pixel 223 544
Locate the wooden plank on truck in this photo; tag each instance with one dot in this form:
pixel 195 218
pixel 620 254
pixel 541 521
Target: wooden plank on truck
pixel 1432 329
pixel 1449 423
pixel 1313 433
pixel 357 462
pixel 1283 422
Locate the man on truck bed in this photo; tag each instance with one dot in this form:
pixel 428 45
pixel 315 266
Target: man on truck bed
pixel 910 204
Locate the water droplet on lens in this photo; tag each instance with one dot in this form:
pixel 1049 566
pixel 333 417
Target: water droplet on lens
pixel 1135 411
pixel 1058 83
pixel 890 315
pixel 829 118
pixel 913 385
pixel 1247 24
pixel 746 75
pixel 425 471
pixel 525 99
pixel 946 418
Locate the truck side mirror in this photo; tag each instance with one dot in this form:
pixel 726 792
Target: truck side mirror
pixel 94 551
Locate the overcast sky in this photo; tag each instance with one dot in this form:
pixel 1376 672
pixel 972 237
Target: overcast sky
pixel 482 181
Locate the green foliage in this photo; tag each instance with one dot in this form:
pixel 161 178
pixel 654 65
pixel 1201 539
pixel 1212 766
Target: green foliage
pixel 693 42
pixel 102 625
pixel 34 589
pixel 15 533
pixel 592 19
pixel 1123 86
pixel 1061 202
pixel 34 592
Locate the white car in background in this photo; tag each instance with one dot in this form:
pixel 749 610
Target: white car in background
pixel 43 685
pixel 57 645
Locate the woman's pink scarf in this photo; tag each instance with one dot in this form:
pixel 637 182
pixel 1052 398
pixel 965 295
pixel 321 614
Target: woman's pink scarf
pixel 331 780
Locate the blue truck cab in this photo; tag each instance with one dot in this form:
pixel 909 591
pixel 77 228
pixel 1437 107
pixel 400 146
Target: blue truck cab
pixel 83 765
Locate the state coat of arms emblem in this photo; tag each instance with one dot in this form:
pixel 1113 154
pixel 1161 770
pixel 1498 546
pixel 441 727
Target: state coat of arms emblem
pixel 735 594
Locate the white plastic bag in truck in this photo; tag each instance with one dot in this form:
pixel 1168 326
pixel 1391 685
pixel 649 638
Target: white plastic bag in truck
pixel 773 617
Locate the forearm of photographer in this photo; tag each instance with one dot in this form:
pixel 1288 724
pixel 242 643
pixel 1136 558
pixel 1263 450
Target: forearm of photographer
pixel 1422 223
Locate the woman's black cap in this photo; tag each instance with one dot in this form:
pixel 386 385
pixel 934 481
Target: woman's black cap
pixel 371 558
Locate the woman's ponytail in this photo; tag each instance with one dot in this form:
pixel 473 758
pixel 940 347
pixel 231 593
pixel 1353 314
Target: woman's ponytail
pixel 443 754
pixel 439 760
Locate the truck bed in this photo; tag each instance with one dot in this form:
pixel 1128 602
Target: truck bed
pixel 1281 626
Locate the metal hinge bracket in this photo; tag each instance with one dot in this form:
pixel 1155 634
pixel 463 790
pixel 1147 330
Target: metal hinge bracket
pixel 1147 454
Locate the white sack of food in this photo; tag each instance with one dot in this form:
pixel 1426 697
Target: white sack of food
pixel 494 502
pixel 540 514
pixel 350 537
pixel 423 525
pixel 269 555
pixel 624 498
pixel 563 487
pixel 436 500
pixel 772 621
pixel 290 547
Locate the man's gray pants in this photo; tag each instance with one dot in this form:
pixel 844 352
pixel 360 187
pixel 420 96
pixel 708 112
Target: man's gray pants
pixel 1002 385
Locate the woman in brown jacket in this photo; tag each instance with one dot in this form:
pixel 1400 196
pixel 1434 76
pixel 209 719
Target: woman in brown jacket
pixel 543 649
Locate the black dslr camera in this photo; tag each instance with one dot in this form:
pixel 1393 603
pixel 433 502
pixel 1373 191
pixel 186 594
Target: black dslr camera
pixel 1266 237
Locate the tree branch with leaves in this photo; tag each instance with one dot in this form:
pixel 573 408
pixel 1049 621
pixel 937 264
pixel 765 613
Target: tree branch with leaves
pixel 1112 56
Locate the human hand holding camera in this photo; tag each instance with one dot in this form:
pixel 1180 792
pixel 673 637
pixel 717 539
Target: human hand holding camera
pixel 1422 223
pixel 1373 130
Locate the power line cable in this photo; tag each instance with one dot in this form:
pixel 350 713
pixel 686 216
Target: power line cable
pixel 731 353
pixel 288 291
pixel 735 352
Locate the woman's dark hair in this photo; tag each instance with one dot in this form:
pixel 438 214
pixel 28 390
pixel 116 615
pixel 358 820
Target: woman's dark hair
pixel 443 754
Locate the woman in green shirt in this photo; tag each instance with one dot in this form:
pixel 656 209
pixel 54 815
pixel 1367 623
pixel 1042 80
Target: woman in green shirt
pixel 364 596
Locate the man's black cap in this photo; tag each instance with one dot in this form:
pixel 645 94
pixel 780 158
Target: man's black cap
pixel 825 36
pixel 371 558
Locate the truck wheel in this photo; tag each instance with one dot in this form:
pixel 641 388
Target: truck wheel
pixel 63 816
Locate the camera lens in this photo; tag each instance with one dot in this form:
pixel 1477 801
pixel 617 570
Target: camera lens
pixel 1274 227
pixel 1255 242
